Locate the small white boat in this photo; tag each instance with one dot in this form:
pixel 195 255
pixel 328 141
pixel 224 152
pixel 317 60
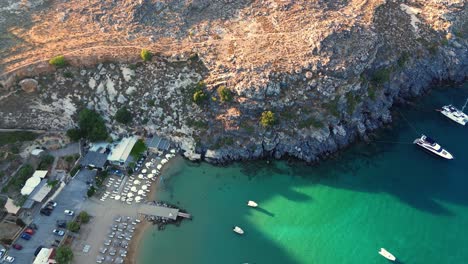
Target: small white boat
pixel 454 114
pixel 238 230
pixel 387 254
pixel 252 204
pixel 430 145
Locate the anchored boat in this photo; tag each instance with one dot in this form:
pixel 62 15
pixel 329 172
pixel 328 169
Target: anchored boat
pixel 454 114
pixel 430 145
pixel 238 230
pixel 252 204
pixel 387 254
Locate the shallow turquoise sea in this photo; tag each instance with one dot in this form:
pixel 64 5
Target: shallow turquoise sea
pixel 385 194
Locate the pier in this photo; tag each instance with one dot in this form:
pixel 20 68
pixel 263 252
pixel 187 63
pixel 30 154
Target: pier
pixel 162 211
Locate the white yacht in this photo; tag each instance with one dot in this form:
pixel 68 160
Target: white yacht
pixel 454 114
pixel 252 204
pixel 387 254
pixel 430 145
pixel 238 230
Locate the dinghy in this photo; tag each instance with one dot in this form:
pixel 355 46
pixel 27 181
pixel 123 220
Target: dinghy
pixel 238 230
pixel 252 204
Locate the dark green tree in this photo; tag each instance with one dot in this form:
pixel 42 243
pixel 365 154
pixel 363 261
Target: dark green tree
pixel 64 255
pixel 84 217
pixel 73 226
pixel 123 116
pixel 92 126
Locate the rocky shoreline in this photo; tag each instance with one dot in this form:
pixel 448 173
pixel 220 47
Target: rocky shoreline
pixel 339 86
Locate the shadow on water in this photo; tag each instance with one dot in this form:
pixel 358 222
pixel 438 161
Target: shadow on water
pixel 265 211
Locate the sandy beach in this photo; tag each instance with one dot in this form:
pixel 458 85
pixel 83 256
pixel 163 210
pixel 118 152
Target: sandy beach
pixel 139 232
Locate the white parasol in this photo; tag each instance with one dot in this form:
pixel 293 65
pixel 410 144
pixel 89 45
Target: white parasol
pixel 168 156
pixel 133 189
pixel 150 176
pixel 153 171
pixel 117 197
pixel 143 171
pixel 159 167
pixel 164 161
pixel 144 187
pixel 140 192
pixel 138 198
pixel 130 195
pixel 173 151
pixel 140 176
pixel 136 182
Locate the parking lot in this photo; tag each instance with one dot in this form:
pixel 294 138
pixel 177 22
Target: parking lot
pixel 71 198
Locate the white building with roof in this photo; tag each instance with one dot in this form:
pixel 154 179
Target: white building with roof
pixel 120 152
pixel 33 182
pixel 45 256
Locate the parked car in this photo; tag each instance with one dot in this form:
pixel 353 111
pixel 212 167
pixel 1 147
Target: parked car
pixel 2 252
pixel 45 212
pixel 9 259
pixel 52 203
pixel 58 232
pixel 38 249
pixel 17 246
pixel 69 212
pixel 25 236
pixel 61 223
pixel 29 231
pixel 33 226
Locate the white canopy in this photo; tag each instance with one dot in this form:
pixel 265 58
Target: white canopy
pixel 117 197
pixel 130 195
pixel 148 164
pixel 153 171
pixel 30 185
pixel 136 182
pixel 140 192
pixel 143 171
pixel 140 176
pixel 144 187
pixel 133 189
pixel 150 176
pixel 138 198
pixel 159 167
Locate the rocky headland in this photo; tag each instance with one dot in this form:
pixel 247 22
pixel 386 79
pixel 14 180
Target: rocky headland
pixel 329 71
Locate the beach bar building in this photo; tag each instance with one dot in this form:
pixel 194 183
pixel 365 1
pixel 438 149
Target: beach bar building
pixel 120 152
pixel 157 144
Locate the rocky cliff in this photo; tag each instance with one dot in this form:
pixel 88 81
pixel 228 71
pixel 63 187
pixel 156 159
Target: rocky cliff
pixel 329 71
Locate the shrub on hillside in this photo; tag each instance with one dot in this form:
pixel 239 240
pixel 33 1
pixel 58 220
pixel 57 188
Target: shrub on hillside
pixel 267 119
pixel 58 61
pixel 146 55
pixel 224 94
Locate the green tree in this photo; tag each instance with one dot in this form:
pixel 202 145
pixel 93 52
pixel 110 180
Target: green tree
pixel 138 149
pixel 91 191
pixel 199 96
pixel 58 61
pixel 84 217
pixel 92 126
pixel 73 226
pixel 74 134
pixel 146 55
pixel 267 119
pixel 224 94
pixel 123 116
pixel 64 255
pixel 46 162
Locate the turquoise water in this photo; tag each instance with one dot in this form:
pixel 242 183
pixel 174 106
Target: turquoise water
pixel 341 211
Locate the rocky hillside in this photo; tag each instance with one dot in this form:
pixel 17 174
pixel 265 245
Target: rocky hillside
pixel 328 71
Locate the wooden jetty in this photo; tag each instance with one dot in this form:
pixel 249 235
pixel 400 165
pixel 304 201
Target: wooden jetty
pixel 162 211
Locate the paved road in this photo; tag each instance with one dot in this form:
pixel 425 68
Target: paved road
pixel 71 198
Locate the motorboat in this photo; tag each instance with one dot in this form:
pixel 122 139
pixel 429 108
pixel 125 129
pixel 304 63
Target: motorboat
pixel 430 145
pixel 252 204
pixel 387 254
pixel 454 114
pixel 238 230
